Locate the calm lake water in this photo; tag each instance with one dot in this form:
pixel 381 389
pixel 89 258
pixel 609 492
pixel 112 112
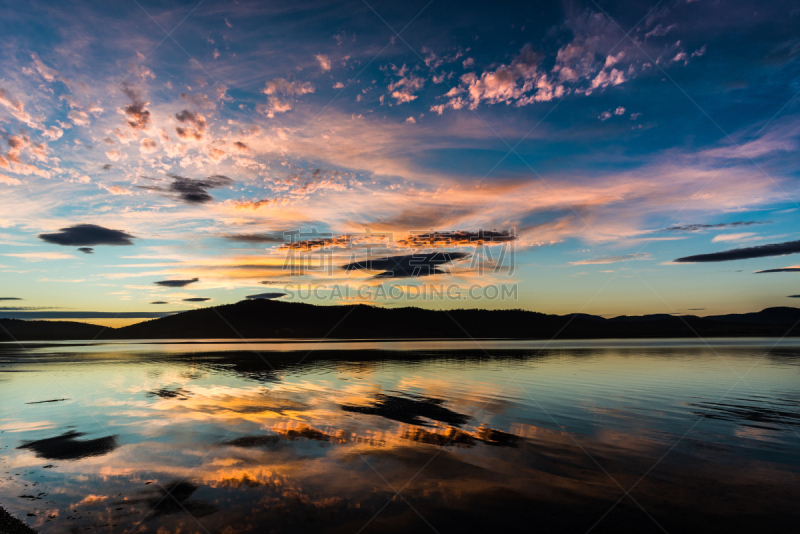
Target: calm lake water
pixel 601 436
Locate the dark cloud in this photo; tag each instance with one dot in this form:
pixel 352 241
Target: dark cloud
pixel 273 282
pixel 87 235
pixel 761 251
pixel 266 296
pixel 160 302
pixel 254 238
pixel 698 227
pixel 176 283
pixel 47 401
pixel 413 411
pixel 86 250
pixel 453 436
pixel 457 238
pixel 307 245
pixel 68 447
pixel 10 298
pixel 411 265
pixel 170 393
pixel 194 125
pixel 781 270
pixel 307 432
pixel 250 442
pixel 196 299
pixel 190 190
pixel 793 296
pixel 138 117
pixel 107 167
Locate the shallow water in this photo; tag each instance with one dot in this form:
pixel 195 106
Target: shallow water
pixel 601 436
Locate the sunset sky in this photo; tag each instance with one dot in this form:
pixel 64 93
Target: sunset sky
pixel 156 158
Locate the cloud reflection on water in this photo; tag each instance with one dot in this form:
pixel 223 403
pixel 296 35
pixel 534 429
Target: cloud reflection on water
pixel 297 451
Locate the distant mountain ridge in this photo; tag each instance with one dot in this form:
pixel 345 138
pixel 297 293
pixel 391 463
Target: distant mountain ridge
pixel 274 319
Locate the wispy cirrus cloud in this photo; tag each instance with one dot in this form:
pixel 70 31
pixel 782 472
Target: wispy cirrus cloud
pixel 613 259
pixel 39 256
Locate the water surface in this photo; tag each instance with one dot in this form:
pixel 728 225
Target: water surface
pixel 439 436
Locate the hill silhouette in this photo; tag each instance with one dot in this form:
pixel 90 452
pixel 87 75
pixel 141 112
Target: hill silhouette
pixel 273 319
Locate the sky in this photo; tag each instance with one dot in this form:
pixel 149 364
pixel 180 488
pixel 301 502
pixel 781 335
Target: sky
pixel 614 158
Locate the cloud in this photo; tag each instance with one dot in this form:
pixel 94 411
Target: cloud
pixel 87 235
pixel 413 411
pixel 698 227
pixel 198 100
pixel 793 296
pixel 115 189
pixel 49 74
pixel 196 299
pixel 324 62
pixel 138 118
pixel 793 269
pixel 39 256
pixel 10 298
pixel 17 108
pixel 148 146
pixel 190 190
pixel 254 238
pixel 733 237
pixel 281 86
pixel 613 259
pixel 762 251
pixel 176 283
pixel 266 296
pixel 273 107
pixel 86 250
pixel 194 125
pixel 8 180
pixel 457 238
pixel 160 302
pixel 68 447
pixel 404 88
pixel 412 265
pixel 53 133
pixel 504 84
pixel 659 31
